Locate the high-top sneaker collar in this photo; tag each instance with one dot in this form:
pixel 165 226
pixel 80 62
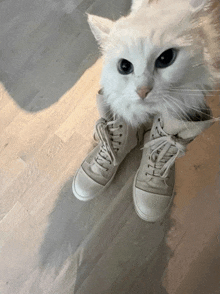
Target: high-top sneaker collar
pixel 185 129
pixel 104 109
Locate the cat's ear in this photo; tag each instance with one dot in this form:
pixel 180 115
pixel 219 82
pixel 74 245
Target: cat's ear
pixel 100 27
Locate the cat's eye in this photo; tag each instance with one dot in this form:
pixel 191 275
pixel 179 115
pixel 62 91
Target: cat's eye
pixel 125 67
pixel 166 58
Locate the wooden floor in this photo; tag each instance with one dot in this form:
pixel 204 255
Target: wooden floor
pixel 49 241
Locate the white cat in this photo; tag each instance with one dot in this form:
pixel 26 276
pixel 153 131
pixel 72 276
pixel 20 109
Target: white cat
pixel 162 57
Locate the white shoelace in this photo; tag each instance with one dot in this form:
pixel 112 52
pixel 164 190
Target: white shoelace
pixel 164 152
pixel 109 143
pixel 165 149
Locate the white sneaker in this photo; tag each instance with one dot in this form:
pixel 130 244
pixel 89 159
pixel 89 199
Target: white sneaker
pixel 153 187
pixel 100 166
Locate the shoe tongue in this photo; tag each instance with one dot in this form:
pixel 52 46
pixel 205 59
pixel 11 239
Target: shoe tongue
pixel 116 122
pixel 165 151
pixel 95 168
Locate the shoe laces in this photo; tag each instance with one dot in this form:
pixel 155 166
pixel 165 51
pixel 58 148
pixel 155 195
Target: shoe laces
pixel 164 151
pixel 110 140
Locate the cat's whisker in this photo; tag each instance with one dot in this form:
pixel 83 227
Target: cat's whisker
pixel 191 91
pixel 191 94
pixel 198 64
pixel 176 113
pixel 167 102
pixel 185 113
pixel 109 113
pixel 195 94
pixel 187 89
pixel 105 103
pixel 190 107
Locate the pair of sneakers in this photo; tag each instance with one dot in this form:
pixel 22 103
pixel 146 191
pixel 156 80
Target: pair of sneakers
pixel 153 186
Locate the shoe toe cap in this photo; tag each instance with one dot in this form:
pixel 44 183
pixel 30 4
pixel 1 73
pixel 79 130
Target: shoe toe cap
pixel 84 187
pixel 151 207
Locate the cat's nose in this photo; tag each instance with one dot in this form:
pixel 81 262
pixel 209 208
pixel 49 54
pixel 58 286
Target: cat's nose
pixel 143 91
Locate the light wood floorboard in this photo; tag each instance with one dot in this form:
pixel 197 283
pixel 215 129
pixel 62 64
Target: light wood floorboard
pixel 51 243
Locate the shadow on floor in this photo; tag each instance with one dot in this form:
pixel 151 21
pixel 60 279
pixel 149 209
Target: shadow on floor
pixel 46 46
pixel 102 246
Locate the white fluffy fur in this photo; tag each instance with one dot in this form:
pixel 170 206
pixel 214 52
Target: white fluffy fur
pixel 151 28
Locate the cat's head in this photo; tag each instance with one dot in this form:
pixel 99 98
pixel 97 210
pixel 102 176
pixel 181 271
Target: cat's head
pixel 156 59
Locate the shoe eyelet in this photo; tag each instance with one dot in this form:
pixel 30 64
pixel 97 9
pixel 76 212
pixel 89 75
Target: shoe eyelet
pixel 120 126
pixel 120 135
pixel 119 143
pixel 158 119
